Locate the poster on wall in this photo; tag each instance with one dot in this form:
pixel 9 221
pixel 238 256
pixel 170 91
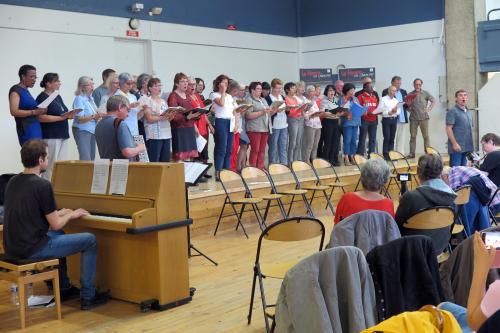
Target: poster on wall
pixel 321 76
pixel 356 75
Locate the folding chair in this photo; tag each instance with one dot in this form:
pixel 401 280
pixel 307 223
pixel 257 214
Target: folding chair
pixel 292 229
pixel 319 165
pixel 281 173
pixel 434 218
pixel 463 195
pixel 359 160
pixel 395 156
pixel 253 175
pixel 304 172
pixel 495 218
pixel 232 182
pixel 430 150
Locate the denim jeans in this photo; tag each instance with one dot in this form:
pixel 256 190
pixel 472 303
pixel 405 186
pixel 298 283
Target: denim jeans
pixel 458 159
pixel 85 142
pixel 350 134
pixel 158 150
pixel 223 147
pixel 295 133
pixel 460 314
pixel 61 245
pixel 389 127
pixel 370 128
pixel 278 142
pixel 475 216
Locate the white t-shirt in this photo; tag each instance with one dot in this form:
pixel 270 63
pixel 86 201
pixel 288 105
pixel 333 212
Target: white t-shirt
pixel 280 120
pixel 157 130
pixel 226 111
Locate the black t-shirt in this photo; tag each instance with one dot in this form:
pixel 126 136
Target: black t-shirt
pixel 57 129
pixel 28 198
pixel 491 165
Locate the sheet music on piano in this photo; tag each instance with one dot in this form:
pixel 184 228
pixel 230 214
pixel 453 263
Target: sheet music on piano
pixel 119 176
pixel 193 171
pixel 100 176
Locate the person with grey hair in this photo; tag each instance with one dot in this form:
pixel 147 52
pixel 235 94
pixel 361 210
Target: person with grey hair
pixel 312 126
pixel 113 136
pixel 126 82
pixel 374 175
pixel 86 119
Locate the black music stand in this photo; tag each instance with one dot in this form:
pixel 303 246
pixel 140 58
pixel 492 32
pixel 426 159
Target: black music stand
pixel 193 172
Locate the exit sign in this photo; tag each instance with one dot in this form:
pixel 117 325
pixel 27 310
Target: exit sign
pixel 132 33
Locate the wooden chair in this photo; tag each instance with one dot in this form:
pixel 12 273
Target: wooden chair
pixel 395 156
pixel 232 183
pixel 304 172
pixel 495 218
pixel 463 195
pixel 253 175
pixel 430 150
pixel 292 229
pixel 433 218
pixel 24 272
pixel 281 173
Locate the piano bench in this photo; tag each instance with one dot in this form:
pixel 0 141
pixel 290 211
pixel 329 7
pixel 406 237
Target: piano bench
pixel 26 271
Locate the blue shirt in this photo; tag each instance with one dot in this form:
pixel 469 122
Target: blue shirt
pixel 131 120
pixel 27 127
pixel 111 140
pixel 462 128
pixel 355 121
pixel 86 103
pixel 399 97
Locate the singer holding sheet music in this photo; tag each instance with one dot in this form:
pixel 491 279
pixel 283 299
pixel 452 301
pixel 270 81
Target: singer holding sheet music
pixel 330 131
pixel 350 122
pixel 55 129
pixel 295 122
pixel 23 106
pixel 389 108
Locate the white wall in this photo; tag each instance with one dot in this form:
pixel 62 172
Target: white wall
pixel 410 51
pixel 75 44
pixel 488 106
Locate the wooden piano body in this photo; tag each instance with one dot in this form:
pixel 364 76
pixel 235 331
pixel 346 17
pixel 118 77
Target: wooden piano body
pixel 142 245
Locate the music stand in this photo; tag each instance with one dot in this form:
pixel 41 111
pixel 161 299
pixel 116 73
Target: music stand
pixel 193 171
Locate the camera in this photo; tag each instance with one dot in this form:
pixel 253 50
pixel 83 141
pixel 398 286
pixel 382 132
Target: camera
pixel 472 156
pixel 403 177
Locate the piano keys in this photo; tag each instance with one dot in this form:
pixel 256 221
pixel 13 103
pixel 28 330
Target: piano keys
pixel 141 236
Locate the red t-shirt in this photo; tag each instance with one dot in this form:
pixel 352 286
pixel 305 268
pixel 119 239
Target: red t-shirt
pixel 371 102
pixel 351 203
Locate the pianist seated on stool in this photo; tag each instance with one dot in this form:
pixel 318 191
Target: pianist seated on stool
pixel 33 226
pixel 114 139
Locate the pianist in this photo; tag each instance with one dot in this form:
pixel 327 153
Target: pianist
pixel 113 136
pixel 33 226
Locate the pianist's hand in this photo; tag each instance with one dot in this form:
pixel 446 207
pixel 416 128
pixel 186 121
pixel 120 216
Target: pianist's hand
pixel 64 211
pixel 77 213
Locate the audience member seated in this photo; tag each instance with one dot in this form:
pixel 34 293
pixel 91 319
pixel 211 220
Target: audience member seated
pixel 113 136
pixel 33 226
pixel 365 230
pixel 432 192
pixel 491 163
pixel 330 291
pixel 374 175
pixel 405 274
pixel 480 305
pixel 475 217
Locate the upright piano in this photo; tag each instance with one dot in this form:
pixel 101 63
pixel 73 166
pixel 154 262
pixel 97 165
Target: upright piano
pixel 142 245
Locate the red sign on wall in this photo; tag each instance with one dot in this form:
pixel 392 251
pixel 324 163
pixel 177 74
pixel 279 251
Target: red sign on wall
pixel 132 33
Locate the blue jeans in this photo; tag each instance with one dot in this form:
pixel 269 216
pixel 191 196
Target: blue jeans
pixel 61 245
pixel 278 141
pixel 475 215
pixel 85 142
pixel 295 133
pixel 458 159
pixel 158 150
pixel 350 134
pixel 223 138
pixel 460 314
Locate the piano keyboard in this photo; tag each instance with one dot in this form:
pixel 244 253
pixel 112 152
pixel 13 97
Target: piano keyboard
pixel 104 218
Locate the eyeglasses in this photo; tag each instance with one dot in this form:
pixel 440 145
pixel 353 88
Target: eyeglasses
pixel 130 83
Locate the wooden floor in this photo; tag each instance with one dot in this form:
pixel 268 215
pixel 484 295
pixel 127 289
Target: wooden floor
pixel 220 303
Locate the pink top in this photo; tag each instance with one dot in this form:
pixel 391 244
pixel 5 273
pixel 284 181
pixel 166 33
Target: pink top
pixel 491 300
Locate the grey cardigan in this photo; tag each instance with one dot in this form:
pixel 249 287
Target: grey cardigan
pixel 330 291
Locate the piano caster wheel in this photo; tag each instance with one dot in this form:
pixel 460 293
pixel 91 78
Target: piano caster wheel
pixel 192 290
pixel 146 306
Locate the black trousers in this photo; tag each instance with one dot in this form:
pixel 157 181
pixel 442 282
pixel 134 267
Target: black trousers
pixel 370 128
pixel 389 126
pixel 330 133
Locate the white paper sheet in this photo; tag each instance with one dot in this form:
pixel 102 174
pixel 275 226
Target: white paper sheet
pixel 100 177
pixel 143 156
pixel 119 177
pixel 192 171
pixel 40 300
pixel 200 143
pixel 49 100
